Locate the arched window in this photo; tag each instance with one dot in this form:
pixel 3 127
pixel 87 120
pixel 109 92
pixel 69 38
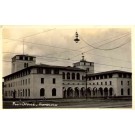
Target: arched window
pixel 23 92
pixel 128 91
pixel 63 75
pixel 18 93
pixel 73 76
pixel 122 92
pixel 28 92
pixel 78 76
pixel 53 92
pixel 68 75
pixel 42 92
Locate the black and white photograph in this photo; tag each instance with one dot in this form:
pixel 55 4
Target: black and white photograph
pixel 66 67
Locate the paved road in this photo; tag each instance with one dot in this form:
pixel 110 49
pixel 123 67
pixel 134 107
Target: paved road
pixel 99 105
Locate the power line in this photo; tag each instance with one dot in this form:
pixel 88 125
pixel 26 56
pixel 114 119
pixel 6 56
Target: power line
pixel 111 58
pixel 105 40
pixel 94 63
pixel 33 34
pixel 103 44
pixel 99 46
pixel 37 44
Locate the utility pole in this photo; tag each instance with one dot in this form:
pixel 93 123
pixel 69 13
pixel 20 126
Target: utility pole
pixel 23 46
pixel 86 84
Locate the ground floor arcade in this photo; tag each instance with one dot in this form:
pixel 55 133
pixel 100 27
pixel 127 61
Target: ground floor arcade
pixel 90 92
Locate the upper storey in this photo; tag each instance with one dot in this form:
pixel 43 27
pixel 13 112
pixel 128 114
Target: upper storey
pixel 83 64
pixel 20 62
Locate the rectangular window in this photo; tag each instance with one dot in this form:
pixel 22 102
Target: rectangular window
pixel 26 81
pixel 29 81
pixel 101 83
pixel 40 70
pixel 97 83
pixel 121 82
pixel 110 75
pixel 26 58
pixel 56 71
pixel 128 82
pixel 120 75
pixel 21 57
pixel 48 71
pixel 42 80
pixel 124 75
pixel 97 77
pixel 110 82
pixel 54 81
pixel 105 83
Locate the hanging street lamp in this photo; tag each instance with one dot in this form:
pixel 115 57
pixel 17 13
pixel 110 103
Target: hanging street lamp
pixel 76 37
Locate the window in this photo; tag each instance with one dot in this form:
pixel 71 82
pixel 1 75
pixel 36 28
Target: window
pixel 29 80
pixel 128 82
pixel 73 76
pixel 23 82
pixel 110 82
pixel 105 83
pixel 97 77
pixel 31 58
pixel 63 75
pixel 101 77
pixel 26 81
pixel 97 83
pixel 101 83
pixel 124 75
pixel 48 71
pixel 120 75
pixel 87 69
pixel 28 92
pixel 56 71
pixel 68 75
pixel 105 76
pixel 53 92
pixel 128 91
pixel 78 76
pixel 42 92
pixel 54 80
pixel 25 65
pixel 121 82
pixel 18 93
pixel 23 92
pixel 40 70
pixel 42 80
pixel 121 91
pixel 21 57
pixel 110 75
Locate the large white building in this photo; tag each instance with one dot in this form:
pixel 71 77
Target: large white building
pixel 31 81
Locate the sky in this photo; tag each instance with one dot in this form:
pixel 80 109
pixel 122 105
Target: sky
pixel 54 45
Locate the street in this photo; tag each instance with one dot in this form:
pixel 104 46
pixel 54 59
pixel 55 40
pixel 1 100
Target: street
pixel 69 103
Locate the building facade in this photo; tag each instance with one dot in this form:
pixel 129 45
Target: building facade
pixel 31 81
